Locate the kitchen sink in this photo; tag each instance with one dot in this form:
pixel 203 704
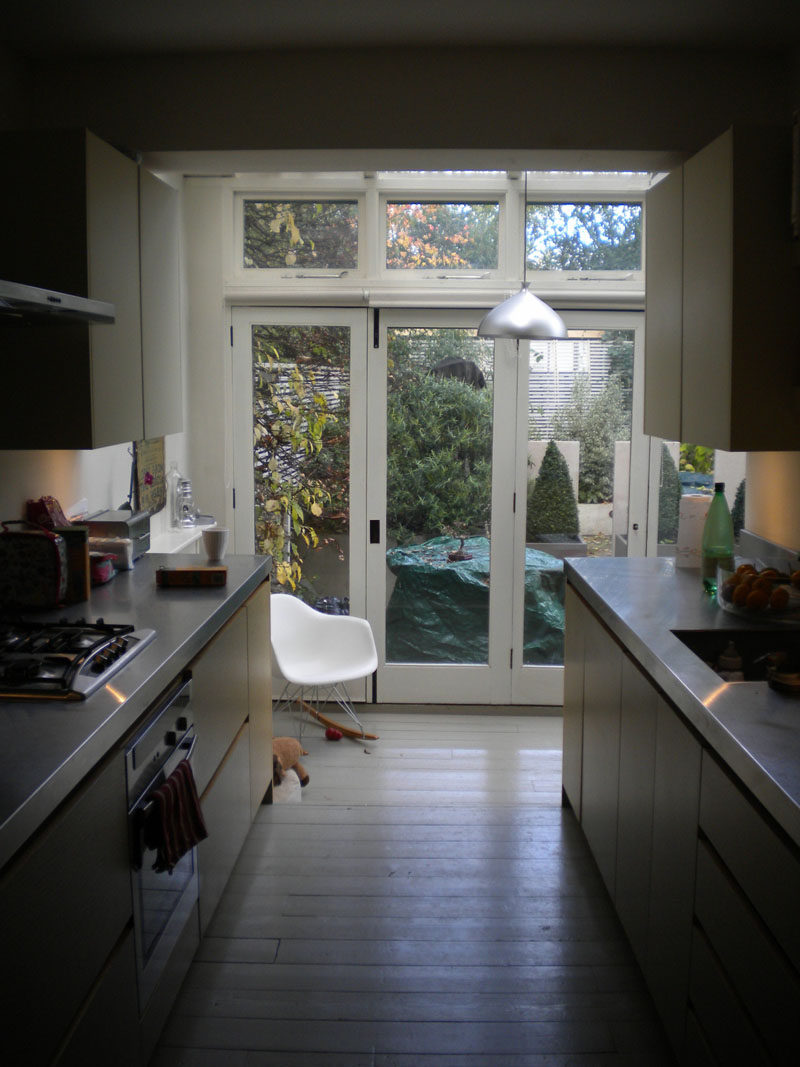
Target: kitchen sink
pixel 771 656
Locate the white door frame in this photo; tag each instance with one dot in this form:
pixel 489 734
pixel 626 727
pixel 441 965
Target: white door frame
pixel 242 321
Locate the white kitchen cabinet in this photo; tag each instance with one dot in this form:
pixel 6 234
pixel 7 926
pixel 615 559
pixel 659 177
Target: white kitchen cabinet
pixel 69 894
pixel 602 677
pixel 220 698
pixel 748 883
pixel 722 322
pixel 575 615
pixel 71 220
pixel 637 753
pixel 70 217
pixel 159 240
pixel 259 678
pixel 676 801
pixel 226 811
pixel 232 704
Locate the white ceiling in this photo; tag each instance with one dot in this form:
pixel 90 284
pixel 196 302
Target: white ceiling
pixel 37 27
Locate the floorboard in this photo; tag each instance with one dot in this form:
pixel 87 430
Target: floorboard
pixel 427 903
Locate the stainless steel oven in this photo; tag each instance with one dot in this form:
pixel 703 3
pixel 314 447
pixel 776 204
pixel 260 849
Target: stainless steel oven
pixel 163 901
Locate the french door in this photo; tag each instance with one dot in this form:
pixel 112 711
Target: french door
pixel 440 435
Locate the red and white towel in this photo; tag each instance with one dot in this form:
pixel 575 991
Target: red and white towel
pixel 176 825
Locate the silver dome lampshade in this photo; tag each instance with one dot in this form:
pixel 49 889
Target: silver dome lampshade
pixel 523 315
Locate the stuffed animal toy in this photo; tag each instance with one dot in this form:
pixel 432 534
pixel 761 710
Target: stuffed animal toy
pixel 289 791
pixel 286 753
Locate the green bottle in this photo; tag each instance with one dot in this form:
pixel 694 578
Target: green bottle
pixel 717 544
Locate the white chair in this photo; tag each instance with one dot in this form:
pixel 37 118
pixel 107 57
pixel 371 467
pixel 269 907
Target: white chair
pixel 318 653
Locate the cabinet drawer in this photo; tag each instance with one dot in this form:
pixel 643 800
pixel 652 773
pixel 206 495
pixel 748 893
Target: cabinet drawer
pixel 259 662
pixel 719 1011
pixel 756 969
pixel 220 698
pixel 696 1050
pixel 765 866
pixel 601 709
pixel 65 903
pixel 226 810
pixel 108 1029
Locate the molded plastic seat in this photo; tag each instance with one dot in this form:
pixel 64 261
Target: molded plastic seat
pixel 316 651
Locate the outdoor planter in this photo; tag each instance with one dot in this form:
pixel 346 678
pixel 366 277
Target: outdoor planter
pixel 559 545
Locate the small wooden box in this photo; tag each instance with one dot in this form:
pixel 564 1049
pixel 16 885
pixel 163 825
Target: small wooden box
pixel 191 577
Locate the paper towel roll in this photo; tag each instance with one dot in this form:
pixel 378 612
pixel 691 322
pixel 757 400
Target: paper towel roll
pixel 691 519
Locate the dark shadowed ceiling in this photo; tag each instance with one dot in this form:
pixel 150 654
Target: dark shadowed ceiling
pixel 37 27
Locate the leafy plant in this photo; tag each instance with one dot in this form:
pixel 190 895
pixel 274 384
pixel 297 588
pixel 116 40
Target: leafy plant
pixel 669 499
pixel 291 415
pixel 442 235
pixel 552 508
pixel 697 459
pixel 597 422
pixel 587 236
pixel 439 456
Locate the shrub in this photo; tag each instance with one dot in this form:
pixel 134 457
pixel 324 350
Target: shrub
pixel 669 499
pixel 596 421
pixel 439 466
pixel 551 502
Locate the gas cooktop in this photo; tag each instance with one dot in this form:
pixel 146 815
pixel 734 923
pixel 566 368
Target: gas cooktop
pixel 64 660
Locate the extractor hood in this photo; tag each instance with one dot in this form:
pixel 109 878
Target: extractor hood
pixel 27 304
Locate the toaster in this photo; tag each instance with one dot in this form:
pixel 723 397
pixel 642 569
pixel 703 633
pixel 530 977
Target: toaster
pixel 130 525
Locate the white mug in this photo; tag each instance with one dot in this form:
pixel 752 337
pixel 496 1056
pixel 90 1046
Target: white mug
pixel 215 542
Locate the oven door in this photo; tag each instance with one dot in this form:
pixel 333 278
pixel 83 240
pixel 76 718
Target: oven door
pixel 163 901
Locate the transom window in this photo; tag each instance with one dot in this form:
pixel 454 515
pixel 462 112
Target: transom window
pixel 437 235
pixel 584 236
pixel 454 233
pixel 300 233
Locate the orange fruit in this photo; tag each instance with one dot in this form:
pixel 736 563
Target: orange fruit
pixel 740 595
pixel 728 588
pixel 779 598
pixel 757 600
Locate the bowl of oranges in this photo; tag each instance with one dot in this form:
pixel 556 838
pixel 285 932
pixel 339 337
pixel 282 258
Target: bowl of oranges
pixel 755 590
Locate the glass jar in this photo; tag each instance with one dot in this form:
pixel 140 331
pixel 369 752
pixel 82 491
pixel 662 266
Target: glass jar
pixel 185 506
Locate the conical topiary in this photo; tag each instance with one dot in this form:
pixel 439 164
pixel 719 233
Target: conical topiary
pixel 669 499
pixel 552 508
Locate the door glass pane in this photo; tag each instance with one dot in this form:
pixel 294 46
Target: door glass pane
pixel 579 433
pixel 301 457
pixel 442 235
pixel 439 479
pixel 301 234
pixel 693 469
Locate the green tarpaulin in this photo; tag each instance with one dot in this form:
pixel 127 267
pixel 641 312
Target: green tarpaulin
pixel 439 608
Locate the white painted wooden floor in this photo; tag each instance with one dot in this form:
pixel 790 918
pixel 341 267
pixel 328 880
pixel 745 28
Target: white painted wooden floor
pixel 428 902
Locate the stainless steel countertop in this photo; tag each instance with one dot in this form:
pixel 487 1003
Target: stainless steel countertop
pixel 752 728
pixel 48 747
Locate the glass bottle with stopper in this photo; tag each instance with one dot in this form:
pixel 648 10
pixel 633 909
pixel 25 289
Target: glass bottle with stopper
pixel 717 543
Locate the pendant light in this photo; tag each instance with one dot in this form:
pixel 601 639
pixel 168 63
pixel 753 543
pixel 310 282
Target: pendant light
pixel 523 315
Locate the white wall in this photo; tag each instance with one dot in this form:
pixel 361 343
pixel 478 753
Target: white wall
pixel 101 476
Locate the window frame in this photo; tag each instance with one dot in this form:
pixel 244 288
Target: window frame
pixel 624 281
pixel 286 275
pixel 374 284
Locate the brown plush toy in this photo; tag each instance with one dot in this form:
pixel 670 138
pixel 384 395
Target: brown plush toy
pixel 286 753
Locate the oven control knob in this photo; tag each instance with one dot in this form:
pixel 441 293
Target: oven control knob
pixel 170 738
pixel 182 724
